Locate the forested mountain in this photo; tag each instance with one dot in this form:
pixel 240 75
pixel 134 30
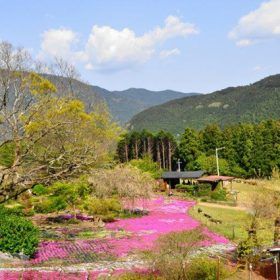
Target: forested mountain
pixel 252 103
pixel 123 105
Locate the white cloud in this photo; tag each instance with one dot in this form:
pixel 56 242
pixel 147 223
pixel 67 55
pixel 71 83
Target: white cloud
pixel 260 24
pixel 166 53
pixel 109 48
pixel 58 42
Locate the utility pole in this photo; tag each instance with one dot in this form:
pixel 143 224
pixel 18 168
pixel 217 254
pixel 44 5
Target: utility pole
pixel 217 159
pixel 179 165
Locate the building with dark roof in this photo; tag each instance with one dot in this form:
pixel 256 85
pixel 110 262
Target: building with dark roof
pixel 176 177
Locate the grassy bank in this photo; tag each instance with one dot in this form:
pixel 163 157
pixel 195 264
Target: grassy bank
pixel 234 222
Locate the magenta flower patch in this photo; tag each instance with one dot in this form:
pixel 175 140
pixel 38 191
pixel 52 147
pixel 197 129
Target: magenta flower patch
pixel 165 216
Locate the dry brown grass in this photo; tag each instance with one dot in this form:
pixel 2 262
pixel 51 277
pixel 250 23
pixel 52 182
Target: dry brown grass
pixel 248 188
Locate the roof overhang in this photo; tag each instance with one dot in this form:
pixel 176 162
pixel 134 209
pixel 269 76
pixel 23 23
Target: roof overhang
pixel 215 179
pixel 183 174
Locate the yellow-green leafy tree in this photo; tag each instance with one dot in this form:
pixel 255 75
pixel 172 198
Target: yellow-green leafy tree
pixel 51 137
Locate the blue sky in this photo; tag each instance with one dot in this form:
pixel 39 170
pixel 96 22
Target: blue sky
pixel 185 45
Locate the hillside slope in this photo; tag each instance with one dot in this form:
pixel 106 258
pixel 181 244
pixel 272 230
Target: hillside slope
pixel 252 103
pixel 127 103
pixel 123 105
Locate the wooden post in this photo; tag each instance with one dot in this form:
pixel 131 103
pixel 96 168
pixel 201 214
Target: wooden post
pixel 250 271
pixel 218 268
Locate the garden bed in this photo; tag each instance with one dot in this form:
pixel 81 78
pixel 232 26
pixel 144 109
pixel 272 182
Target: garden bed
pixel 121 239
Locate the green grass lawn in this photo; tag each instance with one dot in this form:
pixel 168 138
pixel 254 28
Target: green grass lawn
pixel 234 224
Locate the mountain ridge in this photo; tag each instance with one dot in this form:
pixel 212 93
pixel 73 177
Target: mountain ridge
pixel 122 104
pixel 250 103
pixel 126 103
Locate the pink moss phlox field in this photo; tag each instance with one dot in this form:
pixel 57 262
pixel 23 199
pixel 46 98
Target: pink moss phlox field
pixel 69 251
pixel 48 275
pixel 165 216
pixel 61 275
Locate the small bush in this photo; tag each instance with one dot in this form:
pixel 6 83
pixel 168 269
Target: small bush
pixel 137 276
pixel 171 255
pixel 39 189
pixel 205 269
pixel 50 205
pixel 106 208
pixel 188 188
pixel 246 250
pixel 203 190
pixel 4 211
pixel 219 195
pixel 18 235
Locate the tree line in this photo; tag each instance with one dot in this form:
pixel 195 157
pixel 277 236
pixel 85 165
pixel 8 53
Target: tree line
pixel 250 150
pixel 160 147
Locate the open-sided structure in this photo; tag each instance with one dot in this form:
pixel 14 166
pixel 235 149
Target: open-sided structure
pixel 214 180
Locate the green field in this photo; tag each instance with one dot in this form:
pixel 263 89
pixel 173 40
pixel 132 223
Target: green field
pixel 234 224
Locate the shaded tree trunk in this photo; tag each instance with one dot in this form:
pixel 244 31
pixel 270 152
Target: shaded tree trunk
pixel 163 155
pixel 126 152
pixel 149 147
pixel 169 156
pixel 144 146
pixel 158 155
pixel 136 149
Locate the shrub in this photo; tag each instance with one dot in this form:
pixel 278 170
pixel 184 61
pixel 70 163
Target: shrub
pixel 50 205
pixel 106 208
pixel 61 195
pixel 4 211
pixel 205 269
pixel 203 190
pixel 18 235
pixel 172 254
pixel 39 189
pixel 219 194
pixel 187 188
pixel 126 182
pixel 246 250
pixel 137 276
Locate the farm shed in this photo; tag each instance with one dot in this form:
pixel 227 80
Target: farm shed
pixel 214 180
pixel 177 177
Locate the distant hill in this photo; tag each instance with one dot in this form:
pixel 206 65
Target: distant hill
pixel 252 103
pixel 123 105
